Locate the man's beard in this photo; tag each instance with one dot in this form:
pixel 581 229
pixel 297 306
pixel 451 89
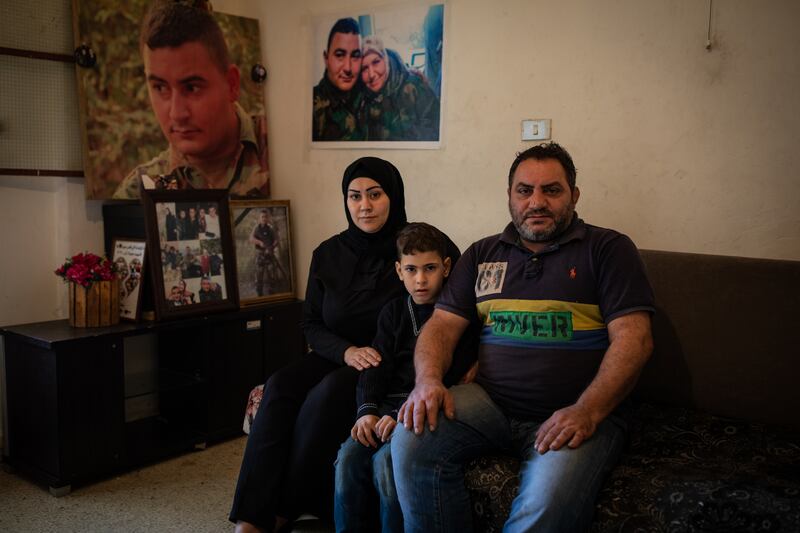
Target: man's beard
pixel 560 223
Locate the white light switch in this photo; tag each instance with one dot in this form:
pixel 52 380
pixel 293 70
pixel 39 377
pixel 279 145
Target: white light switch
pixel 536 129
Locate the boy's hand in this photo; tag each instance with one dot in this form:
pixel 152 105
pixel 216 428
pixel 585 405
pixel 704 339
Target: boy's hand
pixel 362 358
pixel 364 429
pixel 385 427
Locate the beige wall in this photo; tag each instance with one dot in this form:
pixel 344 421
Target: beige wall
pixel 681 148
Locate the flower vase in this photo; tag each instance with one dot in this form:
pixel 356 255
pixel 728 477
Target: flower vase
pixel 95 305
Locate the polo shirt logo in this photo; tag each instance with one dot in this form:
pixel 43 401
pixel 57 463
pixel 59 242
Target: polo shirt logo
pixel 528 325
pixel 490 278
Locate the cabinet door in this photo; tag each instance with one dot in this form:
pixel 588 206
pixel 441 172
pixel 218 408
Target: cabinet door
pixel 66 413
pixel 92 406
pixel 236 366
pixel 32 402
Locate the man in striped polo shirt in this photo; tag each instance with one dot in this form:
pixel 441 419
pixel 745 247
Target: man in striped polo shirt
pixel 565 308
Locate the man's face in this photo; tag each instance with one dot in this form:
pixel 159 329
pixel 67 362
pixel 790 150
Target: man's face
pixel 264 220
pixel 205 285
pixel 374 72
pixel 343 60
pixel 540 201
pixel 191 97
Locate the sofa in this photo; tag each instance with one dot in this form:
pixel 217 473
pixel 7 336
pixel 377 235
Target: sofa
pixel 715 417
pixel 715 436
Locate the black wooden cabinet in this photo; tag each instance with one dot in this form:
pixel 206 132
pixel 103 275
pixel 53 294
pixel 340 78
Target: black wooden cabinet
pixel 72 405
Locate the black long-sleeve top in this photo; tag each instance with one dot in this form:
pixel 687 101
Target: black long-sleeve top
pixel 341 308
pixel 382 389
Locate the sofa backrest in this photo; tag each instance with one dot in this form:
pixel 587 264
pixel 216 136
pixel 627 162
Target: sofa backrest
pixel 725 335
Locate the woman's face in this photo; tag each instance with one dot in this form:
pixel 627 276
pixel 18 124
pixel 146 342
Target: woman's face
pixel 374 72
pixel 368 204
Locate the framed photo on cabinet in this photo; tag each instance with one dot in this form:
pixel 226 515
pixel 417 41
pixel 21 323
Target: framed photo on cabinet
pixel 129 256
pixel 190 251
pixel 262 239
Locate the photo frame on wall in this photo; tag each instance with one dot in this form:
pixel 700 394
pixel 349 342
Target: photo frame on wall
pixel 129 256
pixel 122 135
pixel 262 240
pixel 190 251
pixel 377 77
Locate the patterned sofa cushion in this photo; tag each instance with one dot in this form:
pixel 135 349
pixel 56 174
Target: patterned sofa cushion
pixel 682 471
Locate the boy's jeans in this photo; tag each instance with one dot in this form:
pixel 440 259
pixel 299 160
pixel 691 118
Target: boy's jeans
pixel 362 471
pixel 557 490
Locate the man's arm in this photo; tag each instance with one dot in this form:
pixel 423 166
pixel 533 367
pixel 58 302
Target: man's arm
pixel 432 356
pixel 631 345
pixel 253 239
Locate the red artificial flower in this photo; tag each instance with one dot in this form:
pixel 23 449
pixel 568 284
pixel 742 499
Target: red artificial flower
pixel 84 268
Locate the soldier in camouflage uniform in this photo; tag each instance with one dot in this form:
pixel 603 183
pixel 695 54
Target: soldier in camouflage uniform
pixel 265 239
pixel 247 174
pixel 338 96
pixel 193 89
pixel 399 105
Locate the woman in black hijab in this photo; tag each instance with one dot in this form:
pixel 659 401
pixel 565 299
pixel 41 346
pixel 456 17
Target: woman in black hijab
pixel 308 406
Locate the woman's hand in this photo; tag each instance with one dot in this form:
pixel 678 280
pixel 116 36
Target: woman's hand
pixel 364 429
pixel 471 374
pixel 361 358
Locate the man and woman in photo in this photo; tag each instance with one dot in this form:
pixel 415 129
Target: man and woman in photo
pixel 368 93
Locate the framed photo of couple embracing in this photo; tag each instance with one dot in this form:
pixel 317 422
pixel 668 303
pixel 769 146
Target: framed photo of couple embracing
pixel 378 77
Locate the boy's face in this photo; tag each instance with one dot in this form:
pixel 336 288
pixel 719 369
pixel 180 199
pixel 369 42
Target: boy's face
pixel 423 275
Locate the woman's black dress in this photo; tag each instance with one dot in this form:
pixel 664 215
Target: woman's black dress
pixel 308 406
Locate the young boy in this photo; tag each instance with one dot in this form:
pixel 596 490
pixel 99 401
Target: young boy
pixel 364 465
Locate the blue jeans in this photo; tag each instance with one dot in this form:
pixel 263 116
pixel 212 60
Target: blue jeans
pixel 557 490
pixel 362 473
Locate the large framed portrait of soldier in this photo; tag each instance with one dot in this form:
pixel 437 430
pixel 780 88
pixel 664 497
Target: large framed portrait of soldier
pixel 190 251
pixel 377 77
pixel 164 85
pixel 262 239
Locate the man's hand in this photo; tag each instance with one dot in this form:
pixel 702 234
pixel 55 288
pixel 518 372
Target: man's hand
pixel 361 358
pixel 571 426
pixel 630 346
pixel 364 429
pixel 424 402
pixel 385 427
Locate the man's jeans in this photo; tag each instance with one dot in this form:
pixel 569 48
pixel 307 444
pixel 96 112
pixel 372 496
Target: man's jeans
pixel 557 490
pixel 361 472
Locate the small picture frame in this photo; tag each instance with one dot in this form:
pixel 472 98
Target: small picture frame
pixel 262 239
pixel 190 251
pixel 129 255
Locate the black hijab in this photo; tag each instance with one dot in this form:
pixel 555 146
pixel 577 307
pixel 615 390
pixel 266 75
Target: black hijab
pixel 360 259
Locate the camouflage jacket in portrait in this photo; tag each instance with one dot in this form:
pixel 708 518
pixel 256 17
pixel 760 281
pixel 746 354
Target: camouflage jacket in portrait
pixel 253 176
pixel 335 116
pixel 405 109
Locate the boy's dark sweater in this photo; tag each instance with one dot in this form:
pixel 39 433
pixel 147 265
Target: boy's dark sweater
pixel 383 389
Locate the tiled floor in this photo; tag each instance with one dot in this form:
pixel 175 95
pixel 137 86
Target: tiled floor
pixel 191 492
